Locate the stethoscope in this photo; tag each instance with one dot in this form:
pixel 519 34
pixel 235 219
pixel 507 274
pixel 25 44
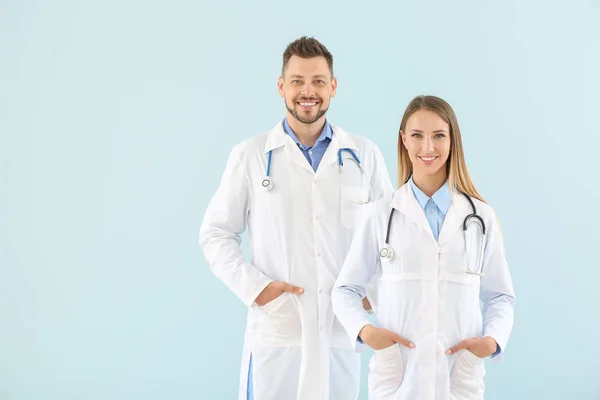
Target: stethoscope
pixel 387 252
pixel 267 183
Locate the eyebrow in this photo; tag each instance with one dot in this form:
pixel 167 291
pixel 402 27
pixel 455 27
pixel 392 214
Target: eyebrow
pixel 315 76
pixel 437 131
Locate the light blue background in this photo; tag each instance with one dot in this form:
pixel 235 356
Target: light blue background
pixel 116 118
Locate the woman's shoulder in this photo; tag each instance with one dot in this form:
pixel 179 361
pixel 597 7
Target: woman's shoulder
pixel 486 211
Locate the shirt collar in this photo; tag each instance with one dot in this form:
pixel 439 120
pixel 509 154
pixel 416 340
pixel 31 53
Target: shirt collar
pixel 441 198
pixel 326 133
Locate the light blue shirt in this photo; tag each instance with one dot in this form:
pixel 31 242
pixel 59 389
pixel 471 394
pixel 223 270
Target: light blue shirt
pixel 435 207
pixel 315 153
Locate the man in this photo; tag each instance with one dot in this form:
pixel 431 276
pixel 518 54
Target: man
pixel 297 189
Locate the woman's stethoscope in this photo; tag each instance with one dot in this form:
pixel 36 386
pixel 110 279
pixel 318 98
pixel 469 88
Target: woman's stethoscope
pixel 387 253
pixel 267 183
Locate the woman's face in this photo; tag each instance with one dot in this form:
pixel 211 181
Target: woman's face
pixel 427 139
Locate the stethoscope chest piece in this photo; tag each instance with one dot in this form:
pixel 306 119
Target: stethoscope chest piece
pixel 267 184
pixel 386 253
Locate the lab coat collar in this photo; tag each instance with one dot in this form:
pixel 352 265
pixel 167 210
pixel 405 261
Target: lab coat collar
pixel 340 140
pixel 277 138
pixel 405 202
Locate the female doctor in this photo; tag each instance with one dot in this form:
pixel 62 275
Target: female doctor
pixel 435 252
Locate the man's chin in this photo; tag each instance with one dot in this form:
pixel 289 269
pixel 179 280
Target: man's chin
pixel 309 119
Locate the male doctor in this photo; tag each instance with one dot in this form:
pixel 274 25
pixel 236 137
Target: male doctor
pixel 297 189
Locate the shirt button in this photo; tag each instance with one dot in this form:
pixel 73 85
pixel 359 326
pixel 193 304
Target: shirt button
pixel 320 291
pixel 318 254
pixel 441 250
pixel 317 217
pixel 431 212
pixel 310 152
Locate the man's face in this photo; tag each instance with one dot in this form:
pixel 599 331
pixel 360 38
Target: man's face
pixel 307 87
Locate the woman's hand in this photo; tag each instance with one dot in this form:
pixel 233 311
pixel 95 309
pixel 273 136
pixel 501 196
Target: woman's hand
pixel 380 338
pixel 481 347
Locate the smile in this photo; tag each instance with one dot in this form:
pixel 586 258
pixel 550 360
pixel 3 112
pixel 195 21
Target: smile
pixel 428 160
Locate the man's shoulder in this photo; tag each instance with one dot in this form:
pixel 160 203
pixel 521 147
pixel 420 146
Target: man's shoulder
pixel 361 141
pixel 252 144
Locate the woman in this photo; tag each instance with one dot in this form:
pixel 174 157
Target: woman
pixel 445 297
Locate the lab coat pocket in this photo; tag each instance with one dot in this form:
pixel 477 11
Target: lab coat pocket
pixel 279 322
pixel 352 198
pixel 386 372
pixel 466 377
pixel 274 304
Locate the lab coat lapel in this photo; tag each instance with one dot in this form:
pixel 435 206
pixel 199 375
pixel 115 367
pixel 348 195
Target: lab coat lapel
pixel 457 212
pixel 405 202
pixel 339 140
pixel 277 138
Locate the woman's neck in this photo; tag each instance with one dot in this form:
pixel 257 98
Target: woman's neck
pixel 429 184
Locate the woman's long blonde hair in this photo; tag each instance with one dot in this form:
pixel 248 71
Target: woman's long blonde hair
pixel 458 175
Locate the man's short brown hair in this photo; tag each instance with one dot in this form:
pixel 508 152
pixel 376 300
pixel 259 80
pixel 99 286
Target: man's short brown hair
pixel 307 47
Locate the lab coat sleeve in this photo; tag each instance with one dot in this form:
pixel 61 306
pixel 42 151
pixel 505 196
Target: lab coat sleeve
pixel 381 186
pixel 360 267
pixel 497 294
pixel 224 221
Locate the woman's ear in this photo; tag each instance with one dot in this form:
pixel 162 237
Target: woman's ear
pixel 403 136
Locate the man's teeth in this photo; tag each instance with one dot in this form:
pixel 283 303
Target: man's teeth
pixel 307 104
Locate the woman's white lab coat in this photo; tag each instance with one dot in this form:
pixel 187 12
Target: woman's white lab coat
pixel 426 297
pixel 300 232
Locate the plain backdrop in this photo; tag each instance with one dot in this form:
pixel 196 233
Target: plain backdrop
pixel 116 119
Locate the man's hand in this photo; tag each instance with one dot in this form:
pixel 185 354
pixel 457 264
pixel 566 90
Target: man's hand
pixel 481 347
pixel 367 305
pixel 380 338
pixel 274 290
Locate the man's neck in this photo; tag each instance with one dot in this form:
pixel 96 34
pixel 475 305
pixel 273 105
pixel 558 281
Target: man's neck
pixel 307 134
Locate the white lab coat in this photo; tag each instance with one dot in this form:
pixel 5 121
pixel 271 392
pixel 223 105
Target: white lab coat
pixel 300 232
pixel 425 297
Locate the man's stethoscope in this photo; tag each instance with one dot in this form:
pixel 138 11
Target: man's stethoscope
pixel 387 253
pixel 267 183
